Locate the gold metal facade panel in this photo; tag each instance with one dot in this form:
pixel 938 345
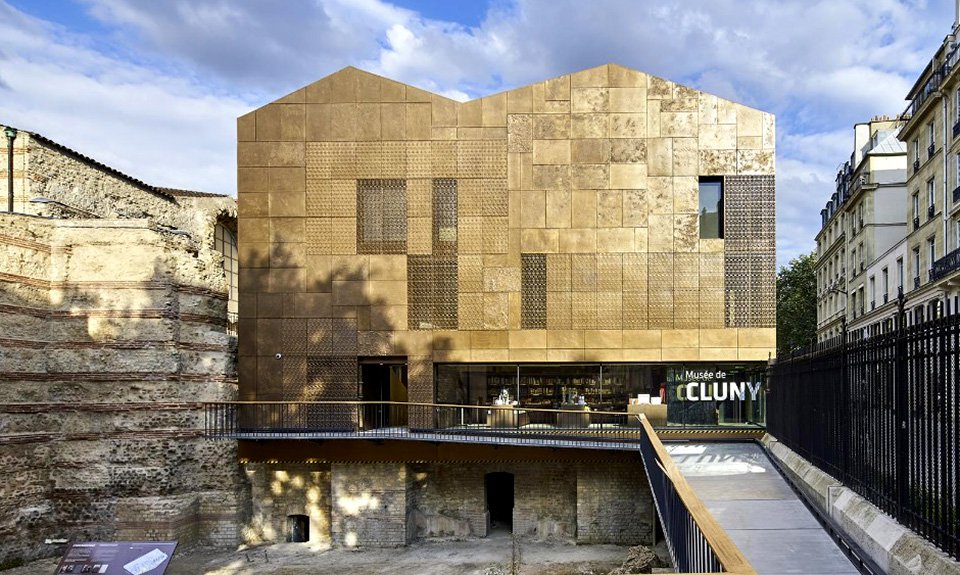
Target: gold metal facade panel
pixel 606 162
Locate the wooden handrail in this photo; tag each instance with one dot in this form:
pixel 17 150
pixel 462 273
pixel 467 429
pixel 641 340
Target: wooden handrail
pixel 729 555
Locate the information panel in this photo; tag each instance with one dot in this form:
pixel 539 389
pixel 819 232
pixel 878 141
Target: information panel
pixel 118 557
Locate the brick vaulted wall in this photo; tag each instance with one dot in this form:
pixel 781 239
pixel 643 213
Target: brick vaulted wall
pixel 554 222
pixel 111 332
pixel 389 504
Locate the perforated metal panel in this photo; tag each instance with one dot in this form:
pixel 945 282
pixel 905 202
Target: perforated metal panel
pixel 381 216
pixel 444 216
pixel 445 293
pixel 533 291
pixel 431 292
pixel 749 276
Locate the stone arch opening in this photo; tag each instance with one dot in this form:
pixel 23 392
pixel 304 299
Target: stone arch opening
pixel 498 488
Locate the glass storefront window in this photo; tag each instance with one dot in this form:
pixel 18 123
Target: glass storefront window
pixel 694 394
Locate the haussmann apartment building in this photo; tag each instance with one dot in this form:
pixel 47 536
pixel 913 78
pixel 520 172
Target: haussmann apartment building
pixel 597 240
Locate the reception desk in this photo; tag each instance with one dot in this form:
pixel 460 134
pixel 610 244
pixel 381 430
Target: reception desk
pixel 577 416
pixel 506 416
pixel 656 414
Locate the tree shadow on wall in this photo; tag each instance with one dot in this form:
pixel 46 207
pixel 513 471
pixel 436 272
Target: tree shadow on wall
pixel 330 328
pixel 103 360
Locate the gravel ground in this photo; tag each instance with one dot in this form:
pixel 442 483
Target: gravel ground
pixel 490 556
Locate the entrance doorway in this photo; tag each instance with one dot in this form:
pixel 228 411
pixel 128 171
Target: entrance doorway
pixel 383 380
pixel 499 492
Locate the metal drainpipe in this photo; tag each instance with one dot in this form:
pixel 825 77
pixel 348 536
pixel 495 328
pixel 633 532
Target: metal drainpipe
pixel 11 134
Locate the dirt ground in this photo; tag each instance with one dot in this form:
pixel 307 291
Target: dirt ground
pixel 490 556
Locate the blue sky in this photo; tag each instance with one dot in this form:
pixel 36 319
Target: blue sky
pixel 154 88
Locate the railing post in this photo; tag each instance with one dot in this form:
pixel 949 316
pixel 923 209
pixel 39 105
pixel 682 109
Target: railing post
pixel 900 410
pixel 845 406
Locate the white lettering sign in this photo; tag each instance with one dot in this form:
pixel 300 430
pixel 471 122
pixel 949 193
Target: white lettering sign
pixel 721 390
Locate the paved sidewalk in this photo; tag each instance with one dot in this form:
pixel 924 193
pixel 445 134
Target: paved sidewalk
pixel 764 517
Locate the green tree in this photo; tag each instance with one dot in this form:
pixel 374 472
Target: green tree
pixel 796 303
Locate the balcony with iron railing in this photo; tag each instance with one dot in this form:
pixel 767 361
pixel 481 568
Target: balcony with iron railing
pixel 945 265
pixel 916 165
pixel 931 211
pixel 956 194
pixel 916 282
pixel 933 84
pixel 931 150
pixel 916 222
pixel 956 128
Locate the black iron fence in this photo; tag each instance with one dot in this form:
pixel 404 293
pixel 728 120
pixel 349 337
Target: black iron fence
pixel 881 415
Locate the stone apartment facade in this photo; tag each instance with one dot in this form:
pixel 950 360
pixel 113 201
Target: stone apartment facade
pixel 602 231
pixel 113 303
pixel 933 187
pixel 860 246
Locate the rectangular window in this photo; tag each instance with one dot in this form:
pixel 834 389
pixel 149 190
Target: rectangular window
pixel 873 292
pixel 931 132
pixel 916 264
pixel 957 244
pixel 931 197
pixel 916 150
pixel 958 170
pixel 885 282
pixel 381 216
pixel 711 208
pixel 916 205
pixel 931 252
pixel 899 275
pixel 863 257
pixel 956 101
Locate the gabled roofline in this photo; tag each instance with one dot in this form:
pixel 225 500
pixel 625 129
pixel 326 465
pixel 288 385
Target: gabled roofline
pixel 169 194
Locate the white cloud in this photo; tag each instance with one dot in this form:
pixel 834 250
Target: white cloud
pixel 158 95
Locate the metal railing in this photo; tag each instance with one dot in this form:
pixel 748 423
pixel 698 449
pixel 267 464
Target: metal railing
pixel 882 415
pixel 956 194
pixel 696 541
pixel 945 265
pixel 417 421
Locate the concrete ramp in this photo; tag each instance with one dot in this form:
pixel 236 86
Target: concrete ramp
pixel 764 517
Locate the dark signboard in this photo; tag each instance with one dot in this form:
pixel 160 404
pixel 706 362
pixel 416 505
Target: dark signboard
pixel 118 557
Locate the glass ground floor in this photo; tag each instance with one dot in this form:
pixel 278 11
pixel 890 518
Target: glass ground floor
pixel 675 394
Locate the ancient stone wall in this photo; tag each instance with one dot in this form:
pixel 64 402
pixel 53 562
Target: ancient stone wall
pixel 369 504
pixel 386 504
pixel 614 504
pixel 111 333
pixel 280 490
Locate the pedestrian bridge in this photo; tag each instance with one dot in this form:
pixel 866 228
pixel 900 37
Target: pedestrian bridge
pixel 723 506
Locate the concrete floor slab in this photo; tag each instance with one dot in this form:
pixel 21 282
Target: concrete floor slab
pixel 759 514
pixel 755 505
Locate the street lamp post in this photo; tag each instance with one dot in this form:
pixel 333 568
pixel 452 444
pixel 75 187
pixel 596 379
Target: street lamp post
pixel 11 134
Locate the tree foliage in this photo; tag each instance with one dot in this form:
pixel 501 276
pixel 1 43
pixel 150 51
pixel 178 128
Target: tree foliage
pixel 796 303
